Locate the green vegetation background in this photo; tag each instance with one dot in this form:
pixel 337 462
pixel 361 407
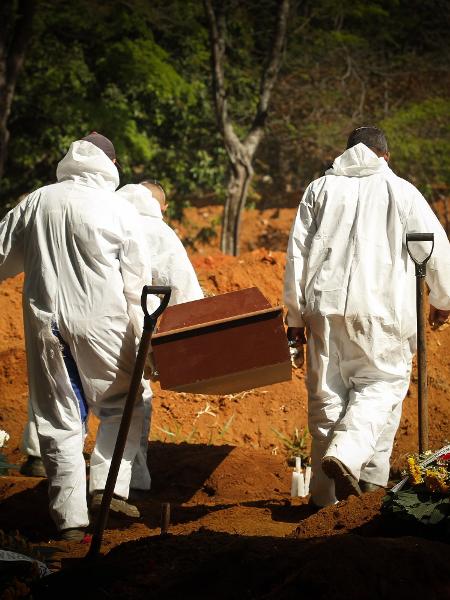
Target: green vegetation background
pixel 139 72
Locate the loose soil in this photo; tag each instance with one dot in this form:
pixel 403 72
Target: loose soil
pixel 221 463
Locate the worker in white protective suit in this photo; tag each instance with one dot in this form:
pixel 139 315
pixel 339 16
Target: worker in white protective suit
pixel 85 262
pixel 170 267
pixel 350 284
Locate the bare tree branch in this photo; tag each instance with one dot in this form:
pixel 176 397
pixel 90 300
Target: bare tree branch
pixel 268 78
pixel 240 153
pixel 217 29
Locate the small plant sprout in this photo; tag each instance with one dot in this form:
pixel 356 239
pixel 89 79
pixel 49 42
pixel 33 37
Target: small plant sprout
pixel 175 433
pixel 296 445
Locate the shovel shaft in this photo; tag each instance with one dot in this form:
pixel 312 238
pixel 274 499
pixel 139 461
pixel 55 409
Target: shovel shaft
pixel 422 366
pixel 136 379
pixel 120 444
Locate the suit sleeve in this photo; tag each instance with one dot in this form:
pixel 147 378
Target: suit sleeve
pixel 12 242
pixel 302 232
pixel 135 262
pixel 422 219
pixel 171 266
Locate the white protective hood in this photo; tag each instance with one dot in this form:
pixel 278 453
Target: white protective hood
pixel 85 163
pixel 170 263
pixel 142 199
pixel 358 161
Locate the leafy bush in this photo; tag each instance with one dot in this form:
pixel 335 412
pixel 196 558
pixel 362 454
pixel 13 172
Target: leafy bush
pixel 419 138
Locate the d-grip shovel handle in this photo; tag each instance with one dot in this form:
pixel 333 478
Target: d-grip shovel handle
pixel 420 237
pixel 157 290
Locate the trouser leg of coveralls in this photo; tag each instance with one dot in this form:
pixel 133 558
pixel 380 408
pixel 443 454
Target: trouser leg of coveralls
pixel 327 398
pixel 30 439
pixel 356 435
pixel 352 402
pixel 140 475
pixel 377 469
pixel 106 358
pixel 374 396
pixel 59 426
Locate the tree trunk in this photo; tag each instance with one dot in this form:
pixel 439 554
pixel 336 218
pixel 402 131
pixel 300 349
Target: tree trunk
pixel 12 56
pixel 237 190
pixel 240 152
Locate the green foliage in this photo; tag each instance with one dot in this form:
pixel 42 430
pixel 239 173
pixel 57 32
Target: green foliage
pixel 296 444
pixel 96 66
pixel 139 72
pixel 204 235
pixel 419 506
pixel 419 138
pixel 351 64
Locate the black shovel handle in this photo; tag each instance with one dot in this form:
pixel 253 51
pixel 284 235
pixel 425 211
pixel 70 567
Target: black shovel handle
pixel 420 237
pixel 156 290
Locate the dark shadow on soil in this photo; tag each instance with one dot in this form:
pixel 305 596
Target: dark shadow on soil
pixel 206 565
pixel 178 471
pixel 281 511
pixel 27 512
pixel 387 526
pixel 286 513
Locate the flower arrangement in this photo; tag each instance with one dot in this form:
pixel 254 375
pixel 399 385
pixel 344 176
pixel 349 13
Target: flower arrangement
pixel 435 478
pixel 423 495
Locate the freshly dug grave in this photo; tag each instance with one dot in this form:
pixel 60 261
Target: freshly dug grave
pixel 229 567
pixel 234 534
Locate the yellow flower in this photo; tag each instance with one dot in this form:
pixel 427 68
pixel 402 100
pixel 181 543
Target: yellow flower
pixel 414 471
pixel 436 480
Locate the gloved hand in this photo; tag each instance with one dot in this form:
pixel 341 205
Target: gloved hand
pixel 296 340
pixel 438 318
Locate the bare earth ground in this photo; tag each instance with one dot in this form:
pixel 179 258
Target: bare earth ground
pixel 221 463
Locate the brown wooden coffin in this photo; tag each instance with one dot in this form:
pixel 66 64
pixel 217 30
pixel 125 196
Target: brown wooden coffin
pixel 222 345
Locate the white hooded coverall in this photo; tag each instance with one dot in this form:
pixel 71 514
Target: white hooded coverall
pixel 81 248
pixel 170 267
pixel 350 281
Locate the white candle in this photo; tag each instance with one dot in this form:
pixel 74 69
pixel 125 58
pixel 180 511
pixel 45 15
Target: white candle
pixel 307 479
pixel 294 484
pixel 301 485
pixel 298 464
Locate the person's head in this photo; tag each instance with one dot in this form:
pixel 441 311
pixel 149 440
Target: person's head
pixel 372 137
pixel 157 191
pixel 103 143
